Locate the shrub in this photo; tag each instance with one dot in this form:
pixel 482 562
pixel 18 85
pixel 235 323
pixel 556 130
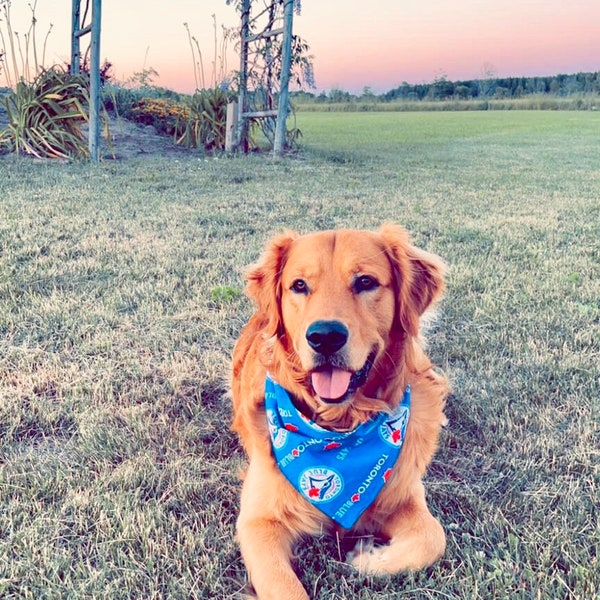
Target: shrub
pixel 122 98
pixel 206 124
pixel 85 68
pixel 119 100
pixel 45 116
pixel 166 116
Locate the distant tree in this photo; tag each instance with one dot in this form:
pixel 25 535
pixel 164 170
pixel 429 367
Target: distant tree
pixel 590 83
pixel 322 97
pixel 462 92
pixel 502 92
pixel 441 88
pixel 303 97
pixel 540 85
pixel 367 94
pixel 338 95
pixel 487 84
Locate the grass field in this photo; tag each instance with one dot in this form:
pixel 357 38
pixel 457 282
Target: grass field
pixel 120 301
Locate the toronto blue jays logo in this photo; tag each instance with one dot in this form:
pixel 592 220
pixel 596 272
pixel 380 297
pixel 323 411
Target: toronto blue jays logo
pixel 392 431
pixel 320 484
pixel 278 434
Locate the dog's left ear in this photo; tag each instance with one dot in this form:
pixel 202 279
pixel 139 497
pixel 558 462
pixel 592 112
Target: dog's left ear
pixel 263 281
pixel 419 276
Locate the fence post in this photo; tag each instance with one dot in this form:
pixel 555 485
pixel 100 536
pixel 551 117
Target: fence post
pixel 94 134
pixel 75 27
pixel 231 126
pixel 286 65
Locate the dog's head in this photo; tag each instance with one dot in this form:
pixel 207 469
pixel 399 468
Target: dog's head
pixel 339 308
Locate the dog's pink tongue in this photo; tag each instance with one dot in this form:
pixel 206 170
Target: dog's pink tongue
pixel 331 383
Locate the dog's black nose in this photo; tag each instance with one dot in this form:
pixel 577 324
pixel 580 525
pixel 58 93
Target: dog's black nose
pixel 326 337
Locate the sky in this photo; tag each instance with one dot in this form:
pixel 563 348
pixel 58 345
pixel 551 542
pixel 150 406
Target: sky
pixel 380 47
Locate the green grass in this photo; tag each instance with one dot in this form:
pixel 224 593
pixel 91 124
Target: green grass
pixel 120 302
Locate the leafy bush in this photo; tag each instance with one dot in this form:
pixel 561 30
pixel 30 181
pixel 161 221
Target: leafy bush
pixel 45 116
pixel 119 100
pixel 206 124
pixel 166 116
pixel 85 68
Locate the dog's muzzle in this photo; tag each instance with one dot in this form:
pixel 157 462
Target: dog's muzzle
pixel 331 379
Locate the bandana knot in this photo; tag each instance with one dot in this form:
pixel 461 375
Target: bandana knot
pixel 339 473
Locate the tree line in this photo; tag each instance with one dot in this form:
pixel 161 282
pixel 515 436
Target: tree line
pixel 490 88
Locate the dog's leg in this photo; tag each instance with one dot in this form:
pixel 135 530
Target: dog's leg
pixel 265 540
pixel 417 540
pixel 266 549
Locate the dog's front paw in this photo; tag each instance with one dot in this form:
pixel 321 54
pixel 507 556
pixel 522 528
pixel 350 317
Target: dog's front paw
pixel 369 558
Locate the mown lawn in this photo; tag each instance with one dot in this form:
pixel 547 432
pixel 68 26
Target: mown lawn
pixel 120 301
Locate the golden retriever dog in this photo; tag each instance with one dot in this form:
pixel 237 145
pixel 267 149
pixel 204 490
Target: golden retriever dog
pixel 336 403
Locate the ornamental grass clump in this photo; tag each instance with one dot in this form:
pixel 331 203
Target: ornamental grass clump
pixel 46 115
pixel 206 125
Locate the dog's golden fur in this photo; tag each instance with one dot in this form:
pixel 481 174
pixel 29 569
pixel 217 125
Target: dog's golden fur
pixel 378 285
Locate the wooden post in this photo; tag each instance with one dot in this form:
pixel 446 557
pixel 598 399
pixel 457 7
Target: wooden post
pixel 95 83
pixel 75 27
pixel 231 126
pixel 286 65
pixel 242 124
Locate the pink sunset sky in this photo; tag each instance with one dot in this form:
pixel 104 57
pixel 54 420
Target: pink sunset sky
pixel 355 43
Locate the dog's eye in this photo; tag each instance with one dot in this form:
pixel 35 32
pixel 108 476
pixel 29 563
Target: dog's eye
pixel 299 286
pixel 365 283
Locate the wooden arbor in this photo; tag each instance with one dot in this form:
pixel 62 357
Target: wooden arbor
pixel 78 30
pixel 265 70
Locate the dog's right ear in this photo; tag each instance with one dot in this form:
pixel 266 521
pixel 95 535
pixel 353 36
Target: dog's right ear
pixel 263 281
pixel 419 276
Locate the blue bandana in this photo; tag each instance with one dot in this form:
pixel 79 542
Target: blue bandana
pixel 339 473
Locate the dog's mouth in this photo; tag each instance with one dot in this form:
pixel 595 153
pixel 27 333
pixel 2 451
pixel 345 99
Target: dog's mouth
pixel 334 385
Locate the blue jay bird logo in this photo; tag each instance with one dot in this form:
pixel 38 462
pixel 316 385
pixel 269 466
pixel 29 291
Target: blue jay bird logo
pixel 278 434
pixel 392 431
pixel 320 484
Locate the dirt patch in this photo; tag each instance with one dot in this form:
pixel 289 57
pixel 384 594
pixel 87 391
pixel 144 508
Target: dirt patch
pixel 128 140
